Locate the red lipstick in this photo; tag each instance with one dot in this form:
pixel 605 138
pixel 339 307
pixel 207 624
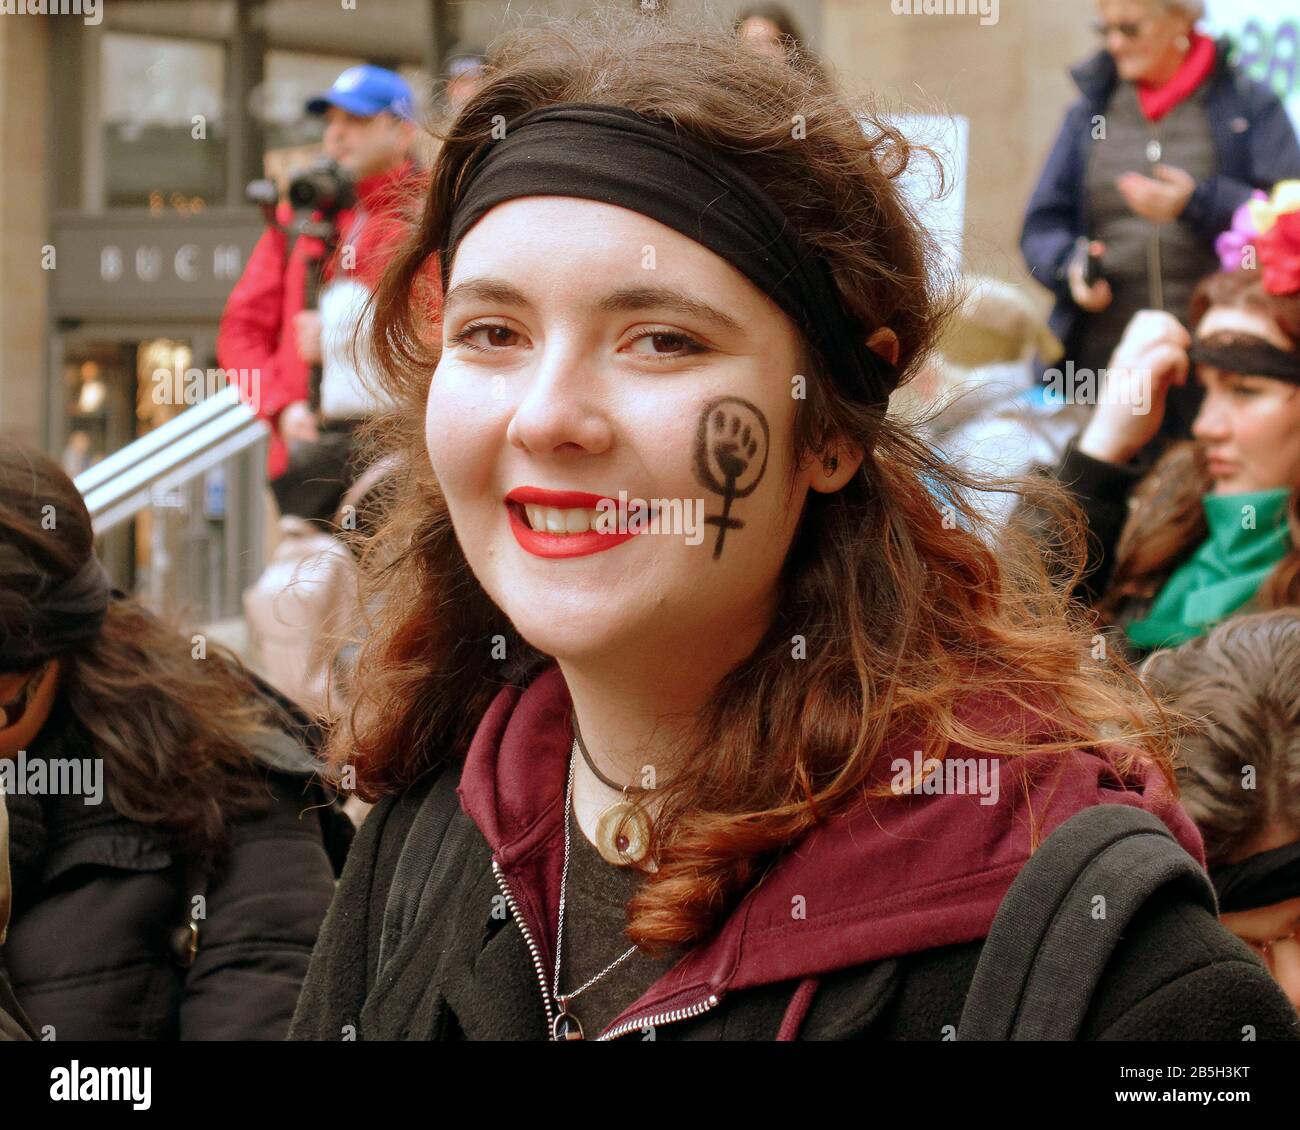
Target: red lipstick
pixel 543 544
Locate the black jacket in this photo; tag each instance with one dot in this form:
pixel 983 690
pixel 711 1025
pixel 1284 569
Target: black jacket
pixel 466 972
pixel 1103 491
pixel 98 898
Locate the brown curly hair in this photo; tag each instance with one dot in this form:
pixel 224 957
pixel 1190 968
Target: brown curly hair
pixel 1237 687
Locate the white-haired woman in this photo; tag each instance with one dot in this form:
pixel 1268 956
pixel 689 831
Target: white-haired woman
pixel 1166 141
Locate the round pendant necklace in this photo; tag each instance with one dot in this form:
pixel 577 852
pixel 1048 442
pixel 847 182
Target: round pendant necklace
pixel 566 1026
pixel 623 828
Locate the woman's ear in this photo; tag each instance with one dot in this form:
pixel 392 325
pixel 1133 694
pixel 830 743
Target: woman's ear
pixel 839 463
pixel 21 730
pixel 884 343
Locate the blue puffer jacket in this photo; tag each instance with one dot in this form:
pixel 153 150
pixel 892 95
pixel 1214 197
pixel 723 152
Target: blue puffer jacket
pixel 1254 143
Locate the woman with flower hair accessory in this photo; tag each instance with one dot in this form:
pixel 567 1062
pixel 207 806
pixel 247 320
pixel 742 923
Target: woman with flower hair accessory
pixel 1212 526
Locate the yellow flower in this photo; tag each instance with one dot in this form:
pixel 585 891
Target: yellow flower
pixel 1286 198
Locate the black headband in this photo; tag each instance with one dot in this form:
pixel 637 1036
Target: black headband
pixel 1261 880
pixel 1248 356
pixel 618 156
pixel 70 614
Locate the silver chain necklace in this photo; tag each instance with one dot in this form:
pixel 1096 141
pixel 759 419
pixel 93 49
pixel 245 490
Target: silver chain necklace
pixel 566 1026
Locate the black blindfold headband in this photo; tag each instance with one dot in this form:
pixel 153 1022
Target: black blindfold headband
pixel 69 615
pixel 618 156
pixel 1264 879
pixel 1247 356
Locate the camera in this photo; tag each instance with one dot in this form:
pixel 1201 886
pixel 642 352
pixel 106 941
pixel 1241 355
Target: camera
pixel 1089 263
pixel 321 187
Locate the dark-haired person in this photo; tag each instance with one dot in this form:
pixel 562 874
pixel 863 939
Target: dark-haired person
pixel 1240 773
pixel 1168 137
pixel 683 752
pixel 172 855
pixel 1211 527
pixel 771 30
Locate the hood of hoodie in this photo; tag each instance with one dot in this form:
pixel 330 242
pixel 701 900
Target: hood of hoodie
pixel 892 876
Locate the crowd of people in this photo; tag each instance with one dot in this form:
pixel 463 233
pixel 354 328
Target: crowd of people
pixel 791 773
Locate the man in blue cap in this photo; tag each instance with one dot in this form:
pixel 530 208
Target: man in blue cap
pixel 368 126
pixel 368 131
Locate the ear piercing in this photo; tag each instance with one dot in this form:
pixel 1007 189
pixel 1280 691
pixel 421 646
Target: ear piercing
pixel 830 463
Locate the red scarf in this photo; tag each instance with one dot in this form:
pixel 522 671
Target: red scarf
pixel 1195 68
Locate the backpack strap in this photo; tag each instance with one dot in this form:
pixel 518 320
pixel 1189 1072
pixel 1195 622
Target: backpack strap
pixel 426 854
pixel 1051 939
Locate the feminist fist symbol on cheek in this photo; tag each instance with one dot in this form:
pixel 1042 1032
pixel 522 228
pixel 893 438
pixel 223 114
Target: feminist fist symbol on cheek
pixel 730 456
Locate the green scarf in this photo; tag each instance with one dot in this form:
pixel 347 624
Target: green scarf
pixel 1224 573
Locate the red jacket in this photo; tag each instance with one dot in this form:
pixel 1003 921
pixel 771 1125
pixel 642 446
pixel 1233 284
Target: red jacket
pixel 891 877
pixel 257 325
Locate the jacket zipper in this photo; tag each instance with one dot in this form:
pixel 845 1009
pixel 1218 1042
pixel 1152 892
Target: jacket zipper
pixel 1155 270
pixel 1155 287
pixel 627 1026
pixel 528 939
pixel 662 1018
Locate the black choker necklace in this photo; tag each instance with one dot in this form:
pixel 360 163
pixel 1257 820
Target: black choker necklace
pixel 623 828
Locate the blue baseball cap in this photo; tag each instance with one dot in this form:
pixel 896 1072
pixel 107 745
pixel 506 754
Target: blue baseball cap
pixel 366 90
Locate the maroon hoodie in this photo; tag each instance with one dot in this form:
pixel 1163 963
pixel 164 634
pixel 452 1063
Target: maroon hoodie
pixel 895 875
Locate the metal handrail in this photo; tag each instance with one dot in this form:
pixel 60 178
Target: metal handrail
pixel 121 485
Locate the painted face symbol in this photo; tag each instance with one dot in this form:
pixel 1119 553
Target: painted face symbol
pixel 730 456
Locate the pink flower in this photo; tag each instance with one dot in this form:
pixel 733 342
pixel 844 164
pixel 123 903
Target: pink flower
pixel 1231 245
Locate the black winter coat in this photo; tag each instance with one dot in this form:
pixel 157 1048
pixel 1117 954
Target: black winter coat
pixel 465 973
pixel 98 898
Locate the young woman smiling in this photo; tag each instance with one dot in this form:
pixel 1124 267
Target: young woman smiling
pixel 681 269
pixel 1213 525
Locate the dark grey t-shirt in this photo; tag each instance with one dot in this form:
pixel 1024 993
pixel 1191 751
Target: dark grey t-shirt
pixel 595 921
